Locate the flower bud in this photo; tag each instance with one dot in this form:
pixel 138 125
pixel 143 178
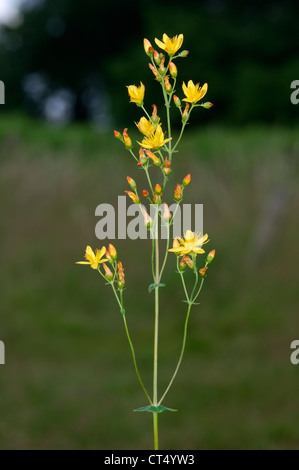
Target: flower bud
pixel 188 261
pixel 158 189
pixel 173 70
pixel 157 76
pixel 178 192
pixel 166 215
pixel 127 140
pixel 108 256
pixel 184 54
pixel 156 160
pixel 145 193
pixel 155 117
pixel 117 135
pixel 162 66
pixel 133 196
pixel 167 84
pixel 157 199
pixel 207 105
pixel 157 57
pixel 203 271
pixel 112 251
pixel 166 171
pixel 142 158
pixel 108 273
pixel 121 275
pixel 186 180
pixel 147 219
pixel 186 113
pixel 131 183
pixel 147 46
pixel 182 265
pixel 177 101
pixel 211 256
pixel 167 163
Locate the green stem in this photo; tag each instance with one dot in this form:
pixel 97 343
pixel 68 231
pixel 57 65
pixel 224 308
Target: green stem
pixel 156 330
pixel 134 360
pixel 181 354
pixel 155 424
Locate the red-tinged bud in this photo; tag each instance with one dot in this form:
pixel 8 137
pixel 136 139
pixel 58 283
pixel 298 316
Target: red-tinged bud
pixel 157 57
pixel 178 192
pixel 207 105
pixel 203 272
pixel 173 70
pixel 184 54
pixel 158 189
pixel 127 140
pixel 133 196
pixel 177 101
pixel 108 273
pixel 185 115
pixel 211 256
pixel 131 183
pixel 112 251
pixel 188 261
pixel 145 193
pixel 117 135
pixel 156 160
pixel 182 265
pixel 147 219
pixel 142 157
pixel 166 215
pixel 167 84
pixel 157 76
pixel 147 47
pixel 155 117
pixel 157 199
pixel 162 66
pixel 108 256
pixel 186 180
pixel 120 275
pixel 167 163
pixel 167 171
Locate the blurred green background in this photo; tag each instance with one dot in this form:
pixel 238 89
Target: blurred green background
pixel 69 381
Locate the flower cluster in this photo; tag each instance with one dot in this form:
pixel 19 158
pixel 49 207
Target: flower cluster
pixel 156 149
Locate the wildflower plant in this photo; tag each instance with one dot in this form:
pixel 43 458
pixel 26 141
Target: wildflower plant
pixel 154 154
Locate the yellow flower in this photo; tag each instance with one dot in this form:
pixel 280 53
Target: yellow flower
pixel 170 45
pixel 94 259
pixel 145 126
pixel 154 140
pixel 190 243
pixel 136 93
pixel 194 93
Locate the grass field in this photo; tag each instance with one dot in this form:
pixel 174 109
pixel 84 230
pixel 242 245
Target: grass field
pixel 68 381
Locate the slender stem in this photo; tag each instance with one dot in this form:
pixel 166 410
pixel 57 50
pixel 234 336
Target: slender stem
pixel 155 373
pixel 181 354
pixel 149 179
pixel 134 360
pixel 155 424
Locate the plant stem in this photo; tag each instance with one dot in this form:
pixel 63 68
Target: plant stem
pixel 181 354
pixel 155 374
pixel 155 424
pixel 134 360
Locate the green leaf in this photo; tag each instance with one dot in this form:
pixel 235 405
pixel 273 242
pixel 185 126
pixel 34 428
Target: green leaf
pixel 155 409
pixel 151 287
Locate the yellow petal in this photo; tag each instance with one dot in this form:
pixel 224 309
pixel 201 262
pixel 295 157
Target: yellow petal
pixel 82 262
pixel 160 44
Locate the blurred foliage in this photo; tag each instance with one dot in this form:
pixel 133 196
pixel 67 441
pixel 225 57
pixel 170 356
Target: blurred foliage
pixel 246 51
